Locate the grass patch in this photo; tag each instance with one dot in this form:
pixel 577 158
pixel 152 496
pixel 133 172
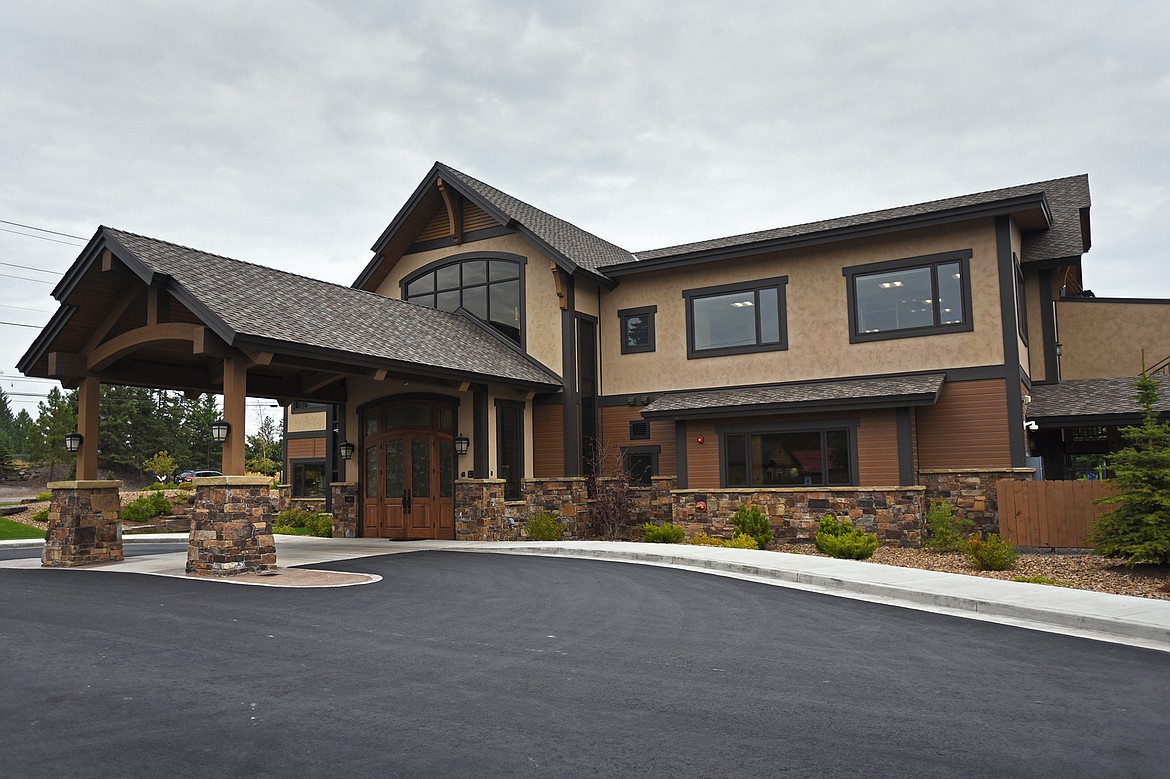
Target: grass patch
pixel 1041 580
pixel 11 529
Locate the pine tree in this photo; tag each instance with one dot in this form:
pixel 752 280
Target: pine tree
pixel 1138 528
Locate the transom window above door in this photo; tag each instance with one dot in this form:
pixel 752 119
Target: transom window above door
pixel 489 285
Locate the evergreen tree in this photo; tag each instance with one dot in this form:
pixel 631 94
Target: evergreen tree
pixel 7 422
pixel 1138 527
pixel 23 433
pixel 57 415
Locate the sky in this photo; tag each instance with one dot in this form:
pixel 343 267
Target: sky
pixel 290 133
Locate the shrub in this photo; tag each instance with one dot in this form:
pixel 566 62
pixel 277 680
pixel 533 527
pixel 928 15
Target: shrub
pixel 544 527
pixel 742 541
pixel 666 533
pixel 185 485
pixel 994 554
pixel 146 507
pixel 842 540
pixel 703 539
pixel 40 516
pixel 944 531
pixel 302 522
pixel 752 522
pixel 45 495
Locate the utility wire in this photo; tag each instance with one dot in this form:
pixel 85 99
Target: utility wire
pixel 25 278
pixel 22 308
pixel 43 238
pixel 21 324
pixel 29 267
pixel 41 229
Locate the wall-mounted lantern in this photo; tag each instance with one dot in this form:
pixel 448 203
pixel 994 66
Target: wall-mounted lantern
pixel 73 441
pixel 220 430
pixel 346 450
pixel 462 442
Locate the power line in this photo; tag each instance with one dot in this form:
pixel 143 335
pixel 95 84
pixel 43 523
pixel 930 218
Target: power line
pixel 22 308
pixel 21 324
pixel 29 267
pixel 23 278
pixel 41 237
pixel 41 229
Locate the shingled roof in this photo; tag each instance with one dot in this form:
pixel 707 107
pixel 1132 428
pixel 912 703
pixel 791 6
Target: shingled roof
pixel 1065 197
pixel 1088 398
pixel 246 300
pixel 804 396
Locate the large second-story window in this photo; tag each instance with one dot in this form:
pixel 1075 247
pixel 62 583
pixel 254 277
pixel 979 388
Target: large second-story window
pixel 489 285
pixel 736 318
pixel 910 297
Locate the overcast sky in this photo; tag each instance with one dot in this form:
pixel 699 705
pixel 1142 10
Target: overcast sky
pixel 290 133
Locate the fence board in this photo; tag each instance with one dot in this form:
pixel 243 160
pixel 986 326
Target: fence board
pixel 1049 513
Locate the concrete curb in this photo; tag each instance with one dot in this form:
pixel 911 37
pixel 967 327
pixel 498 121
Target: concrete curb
pixel 145 538
pixel 1042 617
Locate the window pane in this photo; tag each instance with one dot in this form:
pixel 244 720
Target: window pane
pixel 422 300
pixel 447 278
pixel 638 330
pixel 408 416
pixel 508 464
pixel 897 300
pixel 503 269
pixel 641 467
pixel 395 469
pixel 950 293
pixel 475 272
pixel 420 468
pixel 310 482
pixel 475 301
pixel 724 320
pixel 371 423
pixel 446 469
pixel 769 316
pixel 736 460
pixel 447 301
pixel 787 459
pixel 372 472
pixel 446 419
pixel 839 461
pixel 421 284
pixel 504 307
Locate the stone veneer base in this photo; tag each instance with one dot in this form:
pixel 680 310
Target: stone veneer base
pixel 84 526
pixel 231 527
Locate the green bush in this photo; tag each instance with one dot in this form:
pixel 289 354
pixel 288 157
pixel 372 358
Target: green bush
pixel 146 507
pixel 45 495
pixel 40 516
pixel 752 522
pixel 994 554
pixel 544 527
pixel 666 533
pixel 301 522
pixel 185 485
pixel 842 540
pixel 742 541
pixel 703 539
pixel 944 531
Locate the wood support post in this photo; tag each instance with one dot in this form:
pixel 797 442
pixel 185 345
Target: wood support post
pixel 235 394
pixel 88 392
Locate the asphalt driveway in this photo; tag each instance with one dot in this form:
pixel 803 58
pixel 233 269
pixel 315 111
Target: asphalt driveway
pixel 460 664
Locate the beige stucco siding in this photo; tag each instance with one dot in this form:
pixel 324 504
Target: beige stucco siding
pixel 541 315
pixel 305 421
pixel 1103 338
pixel 817 317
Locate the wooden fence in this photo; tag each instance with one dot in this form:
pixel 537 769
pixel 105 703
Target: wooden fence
pixel 1049 513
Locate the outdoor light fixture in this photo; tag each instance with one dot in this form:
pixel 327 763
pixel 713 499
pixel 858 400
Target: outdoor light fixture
pixel 346 450
pixel 461 444
pixel 220 430
pixel 1059 348
pixel 73 441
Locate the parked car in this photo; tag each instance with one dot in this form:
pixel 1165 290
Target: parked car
pixel 191 475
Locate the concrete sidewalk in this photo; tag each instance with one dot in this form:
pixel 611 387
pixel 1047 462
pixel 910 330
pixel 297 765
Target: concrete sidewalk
pixel 1122 619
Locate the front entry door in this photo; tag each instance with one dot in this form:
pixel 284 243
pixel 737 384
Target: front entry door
pixel 410 475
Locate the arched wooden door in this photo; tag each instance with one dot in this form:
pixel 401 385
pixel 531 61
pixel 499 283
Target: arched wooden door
pixel 408 469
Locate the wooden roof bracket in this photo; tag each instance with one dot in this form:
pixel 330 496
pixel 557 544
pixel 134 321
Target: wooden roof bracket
pixel 454 205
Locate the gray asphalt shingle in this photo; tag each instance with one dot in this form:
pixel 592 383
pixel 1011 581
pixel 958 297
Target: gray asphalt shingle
pixel 1092 397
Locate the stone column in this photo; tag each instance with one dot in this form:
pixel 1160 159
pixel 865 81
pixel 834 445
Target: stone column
pixel 479 508
pixel 345 516
pixel 231 527
pixel 84 524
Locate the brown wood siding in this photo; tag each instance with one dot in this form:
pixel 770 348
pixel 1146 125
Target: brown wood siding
pixel 615 433
pixel 438 227
pixel 702 458
pixel 877 449
pixel 306 448
pixel 475 218
pixel 966 428
pixel 548 441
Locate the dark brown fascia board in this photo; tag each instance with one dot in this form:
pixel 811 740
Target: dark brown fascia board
pixel 199 309
pixel 1086 229
pixel 1154 301
pixel 1050 264
pixel 757 409
pixel 395 224
pixel 44 340
pixel 508 343
pixel 102 239
pixel 833 235
pixel 1094 420
pixel 344 358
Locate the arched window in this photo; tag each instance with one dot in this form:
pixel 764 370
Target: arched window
pixel 489 285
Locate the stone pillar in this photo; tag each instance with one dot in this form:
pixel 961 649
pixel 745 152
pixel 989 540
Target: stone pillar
pixel 231 527
pixel 84 526
pixel 345 505
pixel 479 509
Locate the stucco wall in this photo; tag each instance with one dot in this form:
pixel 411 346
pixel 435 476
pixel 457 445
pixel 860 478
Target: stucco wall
pixel 305 421
pixel 1104 338
pixel 817 317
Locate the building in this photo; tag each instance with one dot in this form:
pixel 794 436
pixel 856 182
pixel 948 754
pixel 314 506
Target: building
pixel 863 364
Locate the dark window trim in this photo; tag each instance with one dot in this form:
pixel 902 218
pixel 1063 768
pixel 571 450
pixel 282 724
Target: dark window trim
pixel 779 282
pixel 654 450
pixel 849 425
pixel 294 462
pixel 962 256
pixel 645 437
pixel 1021 295
pixel 513 405
pixel 625 313
pixel 462 257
